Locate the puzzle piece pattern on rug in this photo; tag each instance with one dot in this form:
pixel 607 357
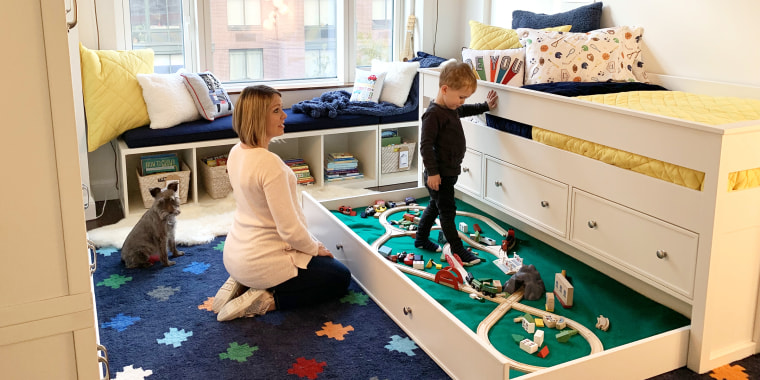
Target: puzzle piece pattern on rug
pixel 335 331
pixel 107 251
pixel 207 304
pixel 175 337
pixel 162 293
pixel 114 281
pixel 307 368
pixel 120 322
pixel 355 298
pixel 237 352
pixel 729 372
pixel 196 267
pixel 131 373
pixel 400 344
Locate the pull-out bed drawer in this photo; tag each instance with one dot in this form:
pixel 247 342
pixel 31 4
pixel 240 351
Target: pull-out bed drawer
pixel 457 347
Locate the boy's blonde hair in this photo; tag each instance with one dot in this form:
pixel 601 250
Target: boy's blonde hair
pixel 457 75
pixel 249 119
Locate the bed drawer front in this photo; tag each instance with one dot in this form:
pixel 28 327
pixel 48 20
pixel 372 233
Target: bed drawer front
pixel 534 197
pixel 448 341
pixel 470 180
pixel 660 251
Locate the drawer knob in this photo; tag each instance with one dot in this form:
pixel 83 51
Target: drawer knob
pixel 544 204
pixel 591 224
pixel 465 169
pixel 497 183
pixel 338 246
pixel 661 254
pixel 407 310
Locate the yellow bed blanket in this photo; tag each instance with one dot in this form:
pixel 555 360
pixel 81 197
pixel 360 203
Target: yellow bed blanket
pixel 700 108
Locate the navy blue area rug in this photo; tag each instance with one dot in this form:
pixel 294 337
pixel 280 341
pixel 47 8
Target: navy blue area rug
pixel 157 323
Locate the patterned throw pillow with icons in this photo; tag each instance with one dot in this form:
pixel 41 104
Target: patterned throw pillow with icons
pixel 603 55
pixel 367 86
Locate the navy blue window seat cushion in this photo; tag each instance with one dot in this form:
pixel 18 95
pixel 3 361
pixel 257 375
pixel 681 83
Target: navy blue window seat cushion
pixel 221 128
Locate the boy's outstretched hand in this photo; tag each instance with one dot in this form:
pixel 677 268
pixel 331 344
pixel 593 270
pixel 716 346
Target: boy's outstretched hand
pixel 492 99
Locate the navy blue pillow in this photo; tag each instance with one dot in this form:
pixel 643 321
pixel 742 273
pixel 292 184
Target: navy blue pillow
pixel 583 19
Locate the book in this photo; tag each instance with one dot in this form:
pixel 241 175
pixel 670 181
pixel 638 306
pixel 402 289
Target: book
pixel 343 178
pixel 340 157
pixel 159 163
pixel 219 160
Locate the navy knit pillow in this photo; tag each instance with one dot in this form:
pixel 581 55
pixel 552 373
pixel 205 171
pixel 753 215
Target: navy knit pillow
pixel 583 19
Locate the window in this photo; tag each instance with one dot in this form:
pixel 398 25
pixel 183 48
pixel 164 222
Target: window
pixel 374 31
pixel 246 65
pixel 264 40
pixel 243 13
pixel 157 24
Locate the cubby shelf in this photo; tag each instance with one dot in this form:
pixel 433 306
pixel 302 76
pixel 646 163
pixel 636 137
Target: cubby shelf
pixel 312 146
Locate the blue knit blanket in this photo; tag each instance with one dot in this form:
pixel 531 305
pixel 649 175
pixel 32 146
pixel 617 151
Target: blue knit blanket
pixel 333 103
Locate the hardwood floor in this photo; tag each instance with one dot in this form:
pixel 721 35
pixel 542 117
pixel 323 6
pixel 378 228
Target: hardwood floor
pixel 112 214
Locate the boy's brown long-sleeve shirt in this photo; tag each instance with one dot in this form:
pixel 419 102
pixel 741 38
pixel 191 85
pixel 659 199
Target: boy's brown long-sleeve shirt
pixel 443 143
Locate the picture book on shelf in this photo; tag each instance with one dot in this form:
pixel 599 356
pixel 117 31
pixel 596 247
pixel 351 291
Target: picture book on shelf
pixel 159 163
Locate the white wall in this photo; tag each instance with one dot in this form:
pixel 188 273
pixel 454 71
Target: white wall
pixel 702 39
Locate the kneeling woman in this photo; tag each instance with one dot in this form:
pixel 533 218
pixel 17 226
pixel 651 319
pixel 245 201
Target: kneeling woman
pixel 273 261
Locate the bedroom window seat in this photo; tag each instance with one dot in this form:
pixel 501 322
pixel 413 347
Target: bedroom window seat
pixel 305 137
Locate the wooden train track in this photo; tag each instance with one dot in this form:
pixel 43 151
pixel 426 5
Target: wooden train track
pixel 505 304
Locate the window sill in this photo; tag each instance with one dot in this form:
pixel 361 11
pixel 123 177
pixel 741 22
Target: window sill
pixel 236 88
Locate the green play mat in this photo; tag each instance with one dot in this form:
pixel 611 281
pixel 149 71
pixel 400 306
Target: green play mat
pixel 632 316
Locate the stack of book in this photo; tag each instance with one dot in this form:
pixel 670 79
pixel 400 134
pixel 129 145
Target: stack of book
pixel 219 160
pixel 341 167
pixel 301 169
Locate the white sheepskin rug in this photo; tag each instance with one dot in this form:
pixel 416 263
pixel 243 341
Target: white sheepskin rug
pixel 201 223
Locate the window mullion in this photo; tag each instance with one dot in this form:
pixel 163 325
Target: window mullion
pixel 347 34
pixel 203 35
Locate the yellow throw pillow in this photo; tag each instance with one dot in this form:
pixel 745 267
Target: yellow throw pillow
pixel 113 98
pixel 487 37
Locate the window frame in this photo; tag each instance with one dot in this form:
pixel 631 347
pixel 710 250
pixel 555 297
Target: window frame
pixel 197 41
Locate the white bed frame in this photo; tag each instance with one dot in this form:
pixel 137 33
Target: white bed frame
pixel 697 252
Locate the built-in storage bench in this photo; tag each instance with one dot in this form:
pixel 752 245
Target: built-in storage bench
pixel 306 138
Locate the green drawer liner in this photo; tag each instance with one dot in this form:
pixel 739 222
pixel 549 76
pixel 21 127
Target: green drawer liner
pixel 632 316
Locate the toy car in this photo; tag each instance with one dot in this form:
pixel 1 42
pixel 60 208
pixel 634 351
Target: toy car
pixel 369 211
pixel 346 210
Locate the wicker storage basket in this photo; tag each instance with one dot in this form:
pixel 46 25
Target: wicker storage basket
pixel 389 157
pixel 215 179
pixel 160 180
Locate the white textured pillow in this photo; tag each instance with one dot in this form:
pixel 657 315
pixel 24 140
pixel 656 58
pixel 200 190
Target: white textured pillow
pixel 398 80
pixel 499 66
pixel 168 101
pixel 209 97
pixel 367 86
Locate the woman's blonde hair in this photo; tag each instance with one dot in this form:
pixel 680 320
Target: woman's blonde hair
pixel 457 75
pixel 249 118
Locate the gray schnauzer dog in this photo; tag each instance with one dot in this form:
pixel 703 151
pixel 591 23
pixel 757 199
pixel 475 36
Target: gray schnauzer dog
pixel 154 232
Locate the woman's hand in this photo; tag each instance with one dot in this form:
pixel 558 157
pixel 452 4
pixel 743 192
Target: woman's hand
pixel 323 251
